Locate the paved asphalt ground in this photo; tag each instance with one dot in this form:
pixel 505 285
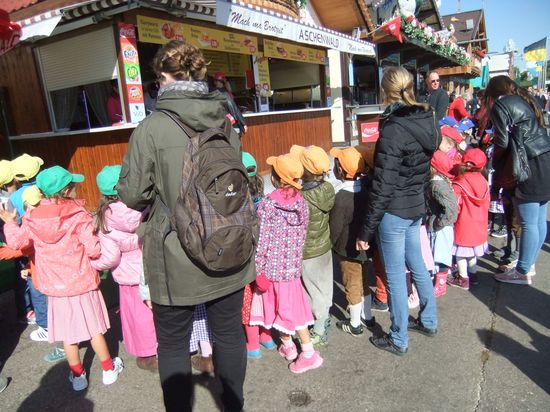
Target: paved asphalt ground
pixel 492 353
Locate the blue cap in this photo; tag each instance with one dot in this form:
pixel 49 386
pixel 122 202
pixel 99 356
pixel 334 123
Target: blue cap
pixel 489 131
pixel 448 121
pixel 465 124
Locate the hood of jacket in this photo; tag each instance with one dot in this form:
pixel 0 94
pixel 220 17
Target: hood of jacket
pixel 120 217
pixel 288 205
pixel 322 198
pixel 199 111
pixel 475 188
pixel 54 219
pixel 419 123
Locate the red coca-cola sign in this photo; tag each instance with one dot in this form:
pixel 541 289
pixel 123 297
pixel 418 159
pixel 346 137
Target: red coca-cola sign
pixel 369 132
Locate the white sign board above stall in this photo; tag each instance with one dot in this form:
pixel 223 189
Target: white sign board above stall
pixel 242 17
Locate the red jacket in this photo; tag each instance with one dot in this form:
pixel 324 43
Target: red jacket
pixel 61 232
pixel 473 198
pixel 458 110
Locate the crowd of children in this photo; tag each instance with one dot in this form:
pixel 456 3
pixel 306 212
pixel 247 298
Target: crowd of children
pixel 305 223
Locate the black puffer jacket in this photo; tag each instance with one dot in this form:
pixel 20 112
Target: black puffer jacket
pixel 408 138
pixel 513 118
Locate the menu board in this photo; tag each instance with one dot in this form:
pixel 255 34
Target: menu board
pixel 288 51
pixel 161 31
pixel 263 73
pixel 233 65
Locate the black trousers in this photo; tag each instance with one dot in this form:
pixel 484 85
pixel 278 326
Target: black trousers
pixel 174 324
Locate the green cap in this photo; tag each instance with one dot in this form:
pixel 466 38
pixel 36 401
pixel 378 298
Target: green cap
pixel 54 179
pixel 107 180
pixel 249 161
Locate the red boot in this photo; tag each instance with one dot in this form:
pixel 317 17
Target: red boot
pixel 440 284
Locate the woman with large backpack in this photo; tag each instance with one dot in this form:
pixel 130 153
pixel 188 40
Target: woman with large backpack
pixel 152 176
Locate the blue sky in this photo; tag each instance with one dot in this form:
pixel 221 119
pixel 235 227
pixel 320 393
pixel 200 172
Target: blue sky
pixel 524 21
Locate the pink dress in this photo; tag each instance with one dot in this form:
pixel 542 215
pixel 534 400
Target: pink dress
pixel 283 227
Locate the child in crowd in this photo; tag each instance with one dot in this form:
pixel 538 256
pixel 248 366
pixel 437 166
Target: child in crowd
pixel 61 231
pixel 441 217
pixel 470 231
pixel 345 222
pixel 255 335
pixel 450 144
pixel 116 226
pixel 25 168
pixel 283 216
pixel 317 265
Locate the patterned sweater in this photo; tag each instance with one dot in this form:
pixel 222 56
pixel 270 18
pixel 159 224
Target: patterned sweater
pixel 283 219
pixel 442 207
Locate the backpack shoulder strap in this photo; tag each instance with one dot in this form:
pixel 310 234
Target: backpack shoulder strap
pixel 177 119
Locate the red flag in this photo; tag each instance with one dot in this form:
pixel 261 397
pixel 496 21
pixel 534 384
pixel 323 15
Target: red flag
pixel 10 32
pixel 393 27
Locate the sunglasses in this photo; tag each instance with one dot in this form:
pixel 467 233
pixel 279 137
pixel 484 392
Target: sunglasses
pixel 434 81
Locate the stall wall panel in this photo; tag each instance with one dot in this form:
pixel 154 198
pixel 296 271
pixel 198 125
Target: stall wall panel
pixel 274 134
pixel 81 153
pixel 19 75
pixel 84 59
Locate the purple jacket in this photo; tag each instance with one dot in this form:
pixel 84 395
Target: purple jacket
pixel 283 218
pixel 121 248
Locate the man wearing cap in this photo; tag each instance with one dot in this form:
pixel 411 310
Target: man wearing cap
pixel 435 96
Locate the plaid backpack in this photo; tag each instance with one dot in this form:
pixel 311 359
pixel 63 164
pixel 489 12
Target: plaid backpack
pixel 214 215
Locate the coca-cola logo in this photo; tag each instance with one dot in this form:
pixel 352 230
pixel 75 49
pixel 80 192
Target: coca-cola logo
pixel 369 131
pixel 128 32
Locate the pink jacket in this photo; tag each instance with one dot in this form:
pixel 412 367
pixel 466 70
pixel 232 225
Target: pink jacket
pixel 121 248
pixel 61 232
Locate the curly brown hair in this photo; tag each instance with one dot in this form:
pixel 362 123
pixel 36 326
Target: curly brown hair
pixel 104 205
pixel 181 60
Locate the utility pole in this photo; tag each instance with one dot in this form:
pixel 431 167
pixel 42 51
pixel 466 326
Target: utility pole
pixel 458 6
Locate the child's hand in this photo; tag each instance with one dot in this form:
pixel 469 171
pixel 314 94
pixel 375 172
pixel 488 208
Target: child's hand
pixel 148 304
pixel 6 215
pixel 25 273
pixel 361 245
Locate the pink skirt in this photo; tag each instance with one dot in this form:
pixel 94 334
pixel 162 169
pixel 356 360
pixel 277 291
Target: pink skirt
pixel 138 329
pixel 284 306
pixel 75 319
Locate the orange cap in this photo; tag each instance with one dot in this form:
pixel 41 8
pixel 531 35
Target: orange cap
pixel 313 158
pixel 288 168
pixel 350 159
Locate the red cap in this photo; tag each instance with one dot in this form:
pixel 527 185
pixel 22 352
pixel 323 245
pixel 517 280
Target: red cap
pixel 442 163
pixel 452 133
pixel 476 157
pixel 220 76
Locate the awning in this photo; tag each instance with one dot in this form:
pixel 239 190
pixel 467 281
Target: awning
pixel 40 26
pixel 242 16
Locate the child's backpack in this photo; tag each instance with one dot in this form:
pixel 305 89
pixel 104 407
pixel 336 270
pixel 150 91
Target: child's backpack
pixel 214 215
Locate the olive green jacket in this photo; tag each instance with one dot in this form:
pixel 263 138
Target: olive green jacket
pixel 151 176
pixel 320 199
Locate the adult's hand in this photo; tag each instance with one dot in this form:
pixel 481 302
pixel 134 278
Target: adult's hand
pixel 361 245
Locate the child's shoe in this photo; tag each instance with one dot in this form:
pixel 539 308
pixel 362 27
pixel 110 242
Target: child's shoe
pixel 459 282
pixel 318 340
pixel 378 305
pixel 254 354
pixel 111 376
pixel 80 382
pixel 440 284
pixel 369 324
pixel 39 334
pixel 55 355
pixel 303 364
pixel 269 344
pixel 288 352
pixel 31 318
pixel 346 326
pixel 148 363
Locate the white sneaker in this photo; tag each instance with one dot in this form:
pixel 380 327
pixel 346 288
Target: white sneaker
pixel 532 271
pixel 79 383
pixel 39 335
pixel 111 376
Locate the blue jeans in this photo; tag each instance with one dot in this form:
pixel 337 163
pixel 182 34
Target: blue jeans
pixel 399 243
pixel 532 217
pixel 40 304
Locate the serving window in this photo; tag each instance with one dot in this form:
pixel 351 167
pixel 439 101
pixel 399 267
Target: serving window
pixel 80 81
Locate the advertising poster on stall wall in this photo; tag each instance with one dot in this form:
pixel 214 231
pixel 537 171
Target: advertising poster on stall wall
pixel 132 74
pixel 288 51
pixel 263 85
pixel 161 31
